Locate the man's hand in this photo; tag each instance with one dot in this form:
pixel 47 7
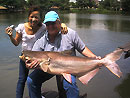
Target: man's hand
pixel 32 64
pixel 99 58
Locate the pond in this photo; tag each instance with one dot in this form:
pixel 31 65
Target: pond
pixel 101 33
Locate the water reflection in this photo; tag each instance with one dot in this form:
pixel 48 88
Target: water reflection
pixel 83 20
pixel 98 25
pixel 114 23
pixel 118 25
pixel 64 18
pixel 72 20
pixel 11 18
pixel 124 88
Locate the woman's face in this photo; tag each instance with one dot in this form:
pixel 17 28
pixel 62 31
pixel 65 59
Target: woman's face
pixel 34 18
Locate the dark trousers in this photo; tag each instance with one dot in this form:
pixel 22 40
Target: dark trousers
pixel 23 73
pixel 37 77
pixel 61 90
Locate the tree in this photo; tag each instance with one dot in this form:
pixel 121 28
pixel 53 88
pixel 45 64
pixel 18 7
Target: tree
pixel 13 4
pixel 110 4
pixel 125 5
pixel 33 2
pixel 92 3
pixel 82 4
pixel 46 4
pixel 85 4
pixel 72 5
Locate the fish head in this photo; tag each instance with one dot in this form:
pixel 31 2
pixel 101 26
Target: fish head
pixel 38 55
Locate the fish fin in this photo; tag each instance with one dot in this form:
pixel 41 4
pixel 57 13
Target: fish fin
pixel 114 68
pixel 87 77
pixel 67 77
pixel 44 66
pixel 115 55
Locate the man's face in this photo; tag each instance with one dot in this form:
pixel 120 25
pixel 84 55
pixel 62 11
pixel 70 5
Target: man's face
pixel 53 27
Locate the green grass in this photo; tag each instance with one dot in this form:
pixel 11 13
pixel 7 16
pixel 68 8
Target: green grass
pixel 98 11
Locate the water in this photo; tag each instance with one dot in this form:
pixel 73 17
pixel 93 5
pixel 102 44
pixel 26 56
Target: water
pixel 100 32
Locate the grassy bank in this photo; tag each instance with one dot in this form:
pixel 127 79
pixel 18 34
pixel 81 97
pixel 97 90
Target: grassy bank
pixel 76 10
pixel 98 11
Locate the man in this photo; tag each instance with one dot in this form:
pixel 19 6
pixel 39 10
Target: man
pixel 53 40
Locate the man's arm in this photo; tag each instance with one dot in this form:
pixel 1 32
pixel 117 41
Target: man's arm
pixel 88 53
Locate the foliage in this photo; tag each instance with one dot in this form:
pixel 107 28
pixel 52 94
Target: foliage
pixel 46 4
pixel 113 5
pixel 72 5
pixel 125 5
pixel 85 4
pixel 13 4
pixel 110 5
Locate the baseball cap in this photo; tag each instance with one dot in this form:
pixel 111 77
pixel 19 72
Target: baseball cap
pixel 51 16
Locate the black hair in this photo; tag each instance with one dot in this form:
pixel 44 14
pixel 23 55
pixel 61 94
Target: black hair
pixel 36 8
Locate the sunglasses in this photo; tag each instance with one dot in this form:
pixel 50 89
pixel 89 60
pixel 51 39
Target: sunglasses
pixel 50 23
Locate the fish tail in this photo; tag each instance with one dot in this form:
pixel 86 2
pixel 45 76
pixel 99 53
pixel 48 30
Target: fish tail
pixel 110 62
pixel 114 68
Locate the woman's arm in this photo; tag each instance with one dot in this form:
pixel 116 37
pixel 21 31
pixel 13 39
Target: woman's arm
pixel 17 38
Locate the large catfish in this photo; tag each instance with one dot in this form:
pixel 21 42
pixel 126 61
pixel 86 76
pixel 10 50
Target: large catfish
pixel 83 67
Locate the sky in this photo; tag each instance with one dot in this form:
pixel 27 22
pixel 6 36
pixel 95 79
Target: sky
pixel 72 0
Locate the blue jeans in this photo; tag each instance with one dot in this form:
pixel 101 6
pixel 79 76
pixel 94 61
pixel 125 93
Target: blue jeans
pixel 23 73
pixel 37 77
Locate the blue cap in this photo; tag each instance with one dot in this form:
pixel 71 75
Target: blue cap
pixel 51 16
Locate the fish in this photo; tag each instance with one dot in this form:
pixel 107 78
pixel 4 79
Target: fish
pixel 126 49
pixel 84 68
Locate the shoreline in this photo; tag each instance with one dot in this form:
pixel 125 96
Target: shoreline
pixel 74 10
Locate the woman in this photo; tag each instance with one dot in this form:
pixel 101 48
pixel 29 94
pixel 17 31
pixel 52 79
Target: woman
pixel 26 34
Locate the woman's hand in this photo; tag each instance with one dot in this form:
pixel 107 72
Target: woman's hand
pixel 64 29
pixel 9 31
pixel 18 36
